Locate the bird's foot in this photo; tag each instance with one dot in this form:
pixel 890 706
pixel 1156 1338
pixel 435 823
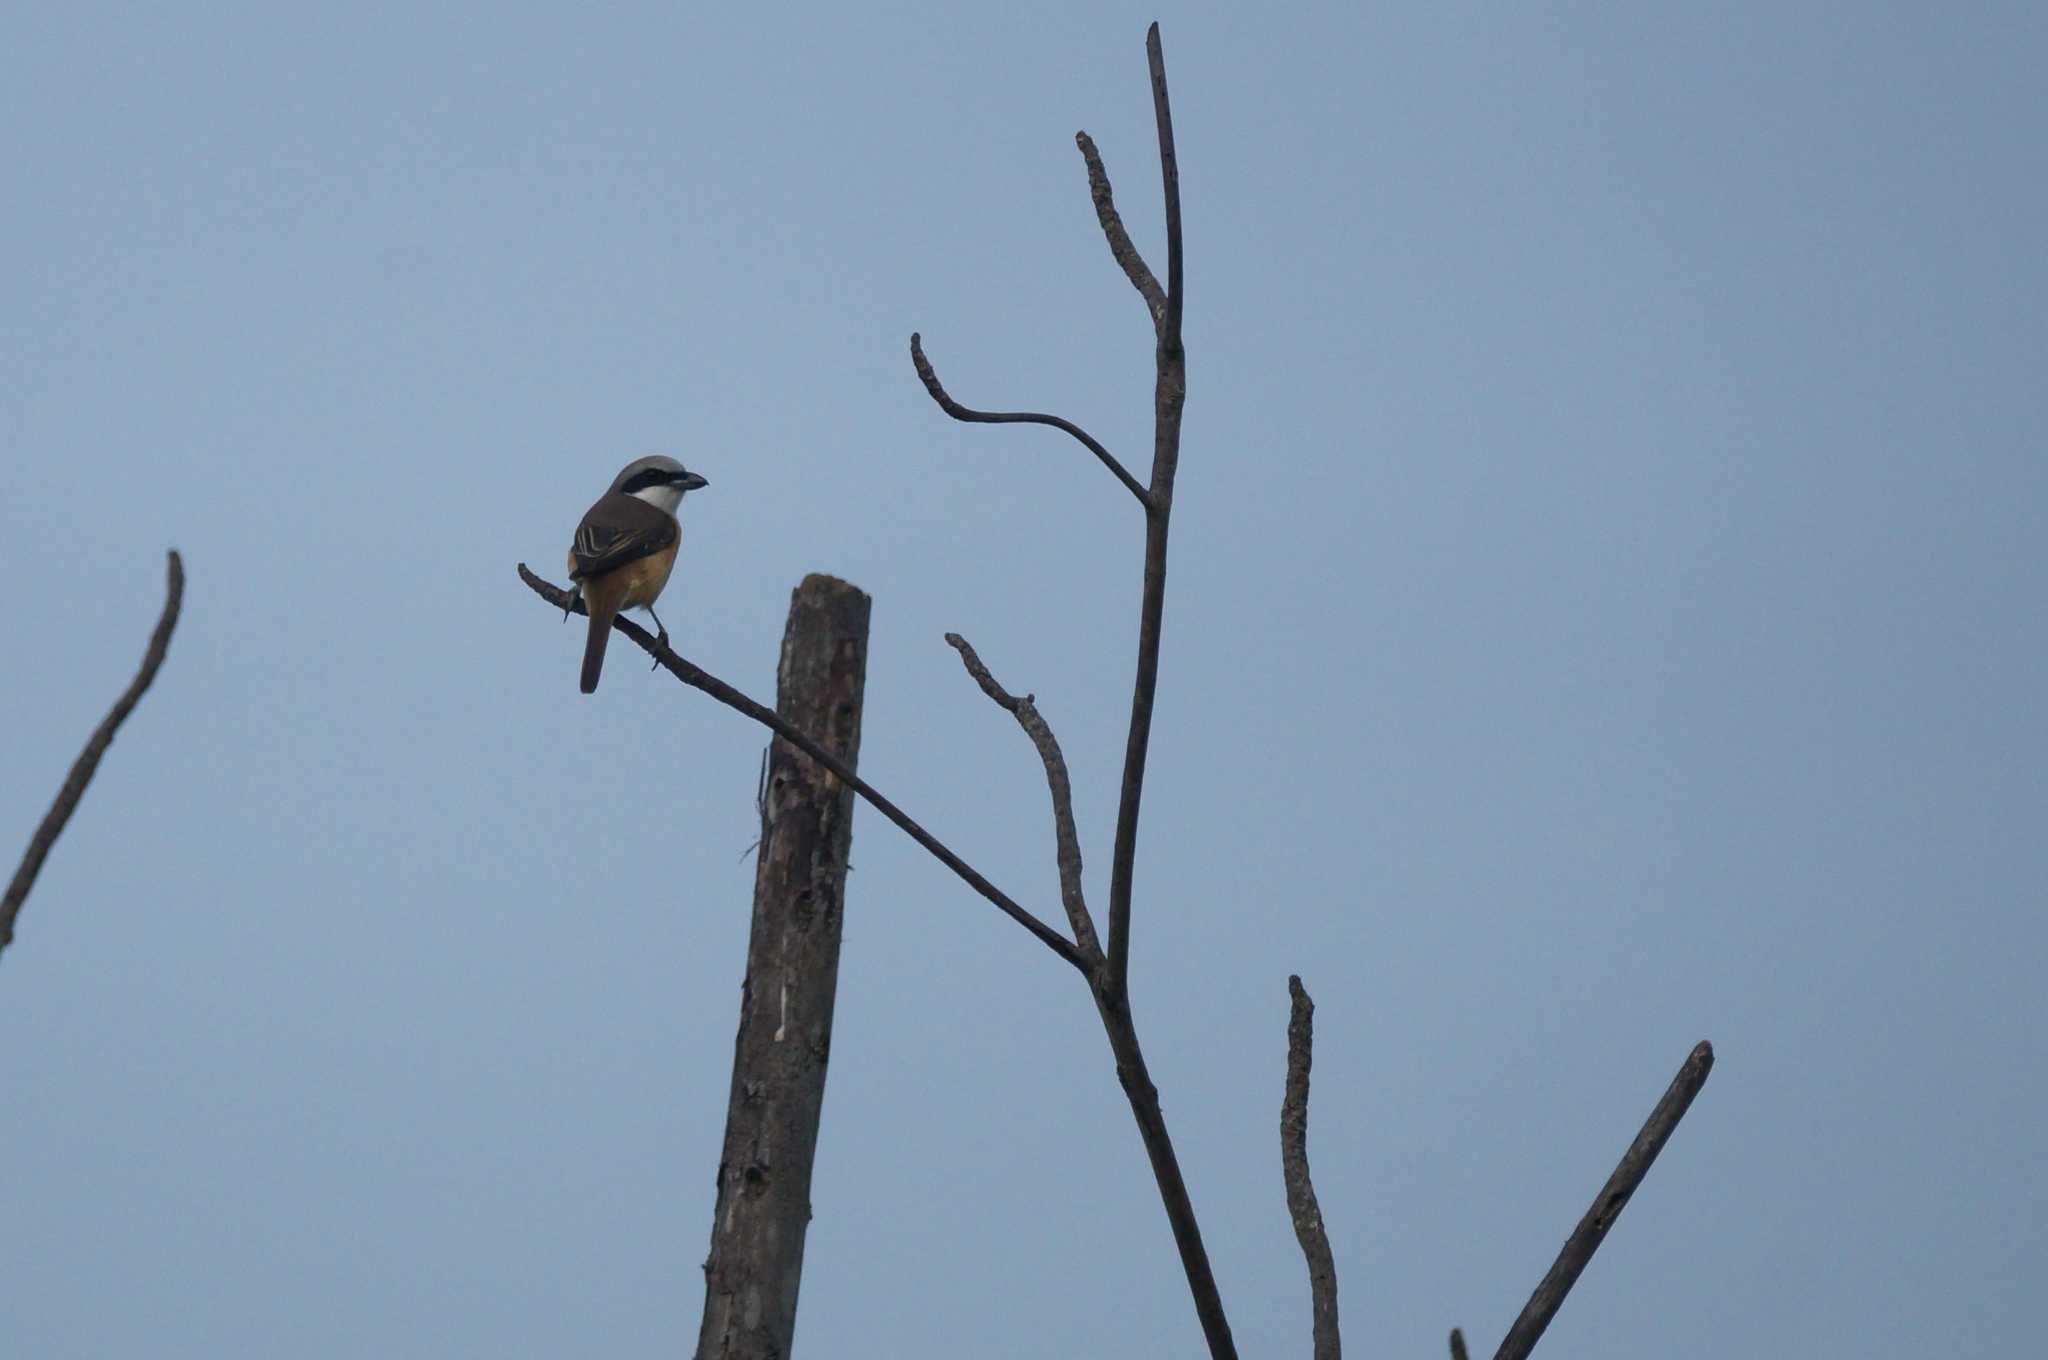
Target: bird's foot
pixel 661 644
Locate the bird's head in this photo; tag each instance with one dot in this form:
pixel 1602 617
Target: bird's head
pixel 657 479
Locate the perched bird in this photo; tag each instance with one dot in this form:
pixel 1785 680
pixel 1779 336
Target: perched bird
pixel 625 547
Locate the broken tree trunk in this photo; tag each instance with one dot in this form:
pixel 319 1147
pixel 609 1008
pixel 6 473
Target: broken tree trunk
pixel 785 1035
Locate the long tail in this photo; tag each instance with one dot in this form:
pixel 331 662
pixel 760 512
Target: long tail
pixel 593 650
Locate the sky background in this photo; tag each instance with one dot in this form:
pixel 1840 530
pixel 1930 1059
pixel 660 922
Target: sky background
pixel 1606 612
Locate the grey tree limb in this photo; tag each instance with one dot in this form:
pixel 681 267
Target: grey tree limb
pixel 1169 177
pixel 1065 838
pixel 96 746
pixel 1301 1191
pixel 930 377
pixel 772 1119
pixel 1136 1079
pixel 1109 982
pixel 695 676
pixel 1169 394
pixel 1120 247
pixel 1607 1205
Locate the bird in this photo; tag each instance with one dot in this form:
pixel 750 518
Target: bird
pixel 625 548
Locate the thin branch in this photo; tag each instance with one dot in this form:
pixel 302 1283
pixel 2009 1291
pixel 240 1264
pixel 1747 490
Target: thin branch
pixel 1169 395
pixel 89 759
pixel 1120 247
pixel 1136 1079
pixel 1124 850
pixel 954 409
pixel 1169 173
pixel 1301 1192
pixel 1607 1206
pixel 1110 984
pixel 1458 1345
pixel 1025 711
pixel 692 675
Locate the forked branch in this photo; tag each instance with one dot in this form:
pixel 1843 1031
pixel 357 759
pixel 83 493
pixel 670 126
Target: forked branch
pixel 89 759
pixel 1110 983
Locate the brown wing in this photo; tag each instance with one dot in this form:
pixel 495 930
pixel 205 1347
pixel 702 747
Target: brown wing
pixel 617 530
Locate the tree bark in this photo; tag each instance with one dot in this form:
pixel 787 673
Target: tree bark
pixel 785 1034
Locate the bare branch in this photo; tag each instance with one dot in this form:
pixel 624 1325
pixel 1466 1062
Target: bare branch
pixel 1025 711
pixel 1607 1206
pixel 1169 395
pixel 1458 1345
pixel 697 678
pixel 954 409
pixel 1169 173
pixel 1136 1079
pixel 1124 850
pixel 1301 1192
pixel 1120 247
pixel 89 759
pixel 1110 984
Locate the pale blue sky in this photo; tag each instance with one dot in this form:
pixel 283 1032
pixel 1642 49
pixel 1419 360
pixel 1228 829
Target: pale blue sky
pixel 1606 612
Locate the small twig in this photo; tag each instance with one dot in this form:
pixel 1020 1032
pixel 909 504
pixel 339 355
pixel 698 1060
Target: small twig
pixel 1169 173
pixel 1607 1206
pixel 1301 1191
pixel 694 676
pixel 1458 1345
pixel 1120 247
pixel 89 759
pixel 930 378
pixel 1025 711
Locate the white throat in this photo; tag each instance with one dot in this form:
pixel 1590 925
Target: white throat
pixel 662 498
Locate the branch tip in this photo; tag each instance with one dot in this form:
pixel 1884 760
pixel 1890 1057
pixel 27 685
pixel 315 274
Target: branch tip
pixel 1169 174
pixel 1607 1205
pixel 1121 248
pixel 1302 1207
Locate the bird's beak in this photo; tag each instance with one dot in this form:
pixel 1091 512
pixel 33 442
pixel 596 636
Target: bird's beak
pixel 692 482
